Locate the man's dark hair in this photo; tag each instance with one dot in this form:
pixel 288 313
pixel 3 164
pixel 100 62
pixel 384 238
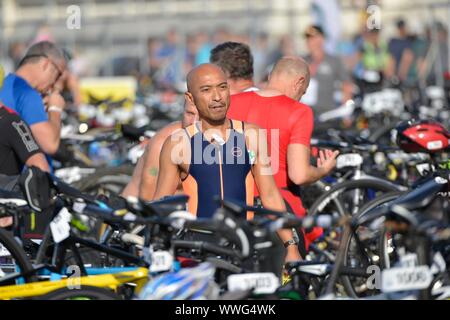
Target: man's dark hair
pixel 235 59
pixel 41 50
pixel 400 23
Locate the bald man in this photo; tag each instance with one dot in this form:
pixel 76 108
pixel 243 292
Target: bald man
pixel 145 174
pixel 215 157
pixel 289 126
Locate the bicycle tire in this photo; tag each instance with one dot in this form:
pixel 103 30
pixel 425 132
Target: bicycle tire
pixel 119 175
pixel 328 196
pixel 17 254
pixel 383 131
pixel 83 293
pixel 346 280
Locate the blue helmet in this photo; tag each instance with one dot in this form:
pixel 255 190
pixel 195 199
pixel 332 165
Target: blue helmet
pixel 187 284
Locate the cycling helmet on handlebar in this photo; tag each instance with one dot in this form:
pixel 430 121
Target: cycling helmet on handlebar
pixel 422 136
pixel 187 284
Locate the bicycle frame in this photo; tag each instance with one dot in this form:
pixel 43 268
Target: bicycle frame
pixel 112 281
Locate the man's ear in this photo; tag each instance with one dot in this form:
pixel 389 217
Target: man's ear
pixel 189 97
pixel 300 82
pixel 44 64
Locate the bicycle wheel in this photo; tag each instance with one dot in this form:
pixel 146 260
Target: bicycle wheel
pixel 349 196
pixel 12 258
pixel 109 181
pixel 83 293
pixel 383 135
pixel 365 252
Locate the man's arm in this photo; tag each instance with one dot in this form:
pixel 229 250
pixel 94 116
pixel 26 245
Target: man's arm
pixel 405 64
pixel 169 170
pixel 300 171
pixel 25 146
pixel 268 190
pixel 132 188
pixel 38 160
pixel 48 134
pixel 150 168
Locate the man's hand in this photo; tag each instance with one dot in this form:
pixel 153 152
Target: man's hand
pixel 292 254
pixel 6 222
pixel 55 99
pixel 327 160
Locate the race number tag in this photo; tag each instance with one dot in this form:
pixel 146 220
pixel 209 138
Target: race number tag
pixel 408 260
pixel 3 251
pixel 348 160
pixel 408 278
pixel 60 226
pixel 262 283
pixel 161 261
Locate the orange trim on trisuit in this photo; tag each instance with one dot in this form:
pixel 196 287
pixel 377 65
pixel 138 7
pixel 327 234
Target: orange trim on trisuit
pixel 190 187
pixel 249 189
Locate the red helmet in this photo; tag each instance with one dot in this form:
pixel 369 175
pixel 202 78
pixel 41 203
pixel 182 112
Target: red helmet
pixel 422 136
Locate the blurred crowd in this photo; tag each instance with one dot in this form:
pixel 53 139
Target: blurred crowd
pixel 360 64
pixel 409 58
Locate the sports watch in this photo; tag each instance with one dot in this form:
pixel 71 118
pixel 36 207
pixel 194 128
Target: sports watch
pixel 290 242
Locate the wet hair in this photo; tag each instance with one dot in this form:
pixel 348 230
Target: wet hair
pixel 235 59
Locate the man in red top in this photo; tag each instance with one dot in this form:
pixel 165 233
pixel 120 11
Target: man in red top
pixel 289 126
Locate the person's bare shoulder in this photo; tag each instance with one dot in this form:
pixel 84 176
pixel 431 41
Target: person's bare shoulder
pixel 167 131
pixel 157 141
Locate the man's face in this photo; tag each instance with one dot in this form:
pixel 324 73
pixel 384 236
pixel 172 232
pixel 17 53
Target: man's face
pixel 314 42
pixel 210 94
pixel 190 114
pixel 51 71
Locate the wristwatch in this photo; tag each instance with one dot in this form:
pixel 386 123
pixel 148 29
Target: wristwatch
pixel 290 243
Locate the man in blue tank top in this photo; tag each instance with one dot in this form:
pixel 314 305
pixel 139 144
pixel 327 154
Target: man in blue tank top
pixel 217 156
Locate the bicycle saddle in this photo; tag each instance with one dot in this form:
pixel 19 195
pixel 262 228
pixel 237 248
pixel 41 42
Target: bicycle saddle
pixel 167 205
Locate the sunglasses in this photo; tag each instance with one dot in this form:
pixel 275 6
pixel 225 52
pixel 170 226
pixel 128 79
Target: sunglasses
pixel 42 55
pixel 311 35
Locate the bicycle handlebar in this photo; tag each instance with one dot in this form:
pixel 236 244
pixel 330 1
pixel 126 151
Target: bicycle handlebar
pixel 205 246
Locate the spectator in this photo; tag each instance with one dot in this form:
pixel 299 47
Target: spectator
pixel 327 74
pixel 204 48
pixel 400 49
pixel 435 61
pixel 168 58
pixel 373 57
pixel 260 55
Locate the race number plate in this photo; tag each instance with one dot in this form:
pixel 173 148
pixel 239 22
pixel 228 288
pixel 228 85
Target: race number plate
pixel 60 226
pixel 262 283
pixel 408 260
pixel 3 251
pixel 161 261
pixel 349 160
pixel 408 278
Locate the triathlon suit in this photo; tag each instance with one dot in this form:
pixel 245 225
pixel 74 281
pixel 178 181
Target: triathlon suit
pixel 216 169
pixel 17 145
pixel 294 123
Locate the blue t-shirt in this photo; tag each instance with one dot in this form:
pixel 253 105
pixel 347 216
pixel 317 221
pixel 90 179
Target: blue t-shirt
pixel 18 95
